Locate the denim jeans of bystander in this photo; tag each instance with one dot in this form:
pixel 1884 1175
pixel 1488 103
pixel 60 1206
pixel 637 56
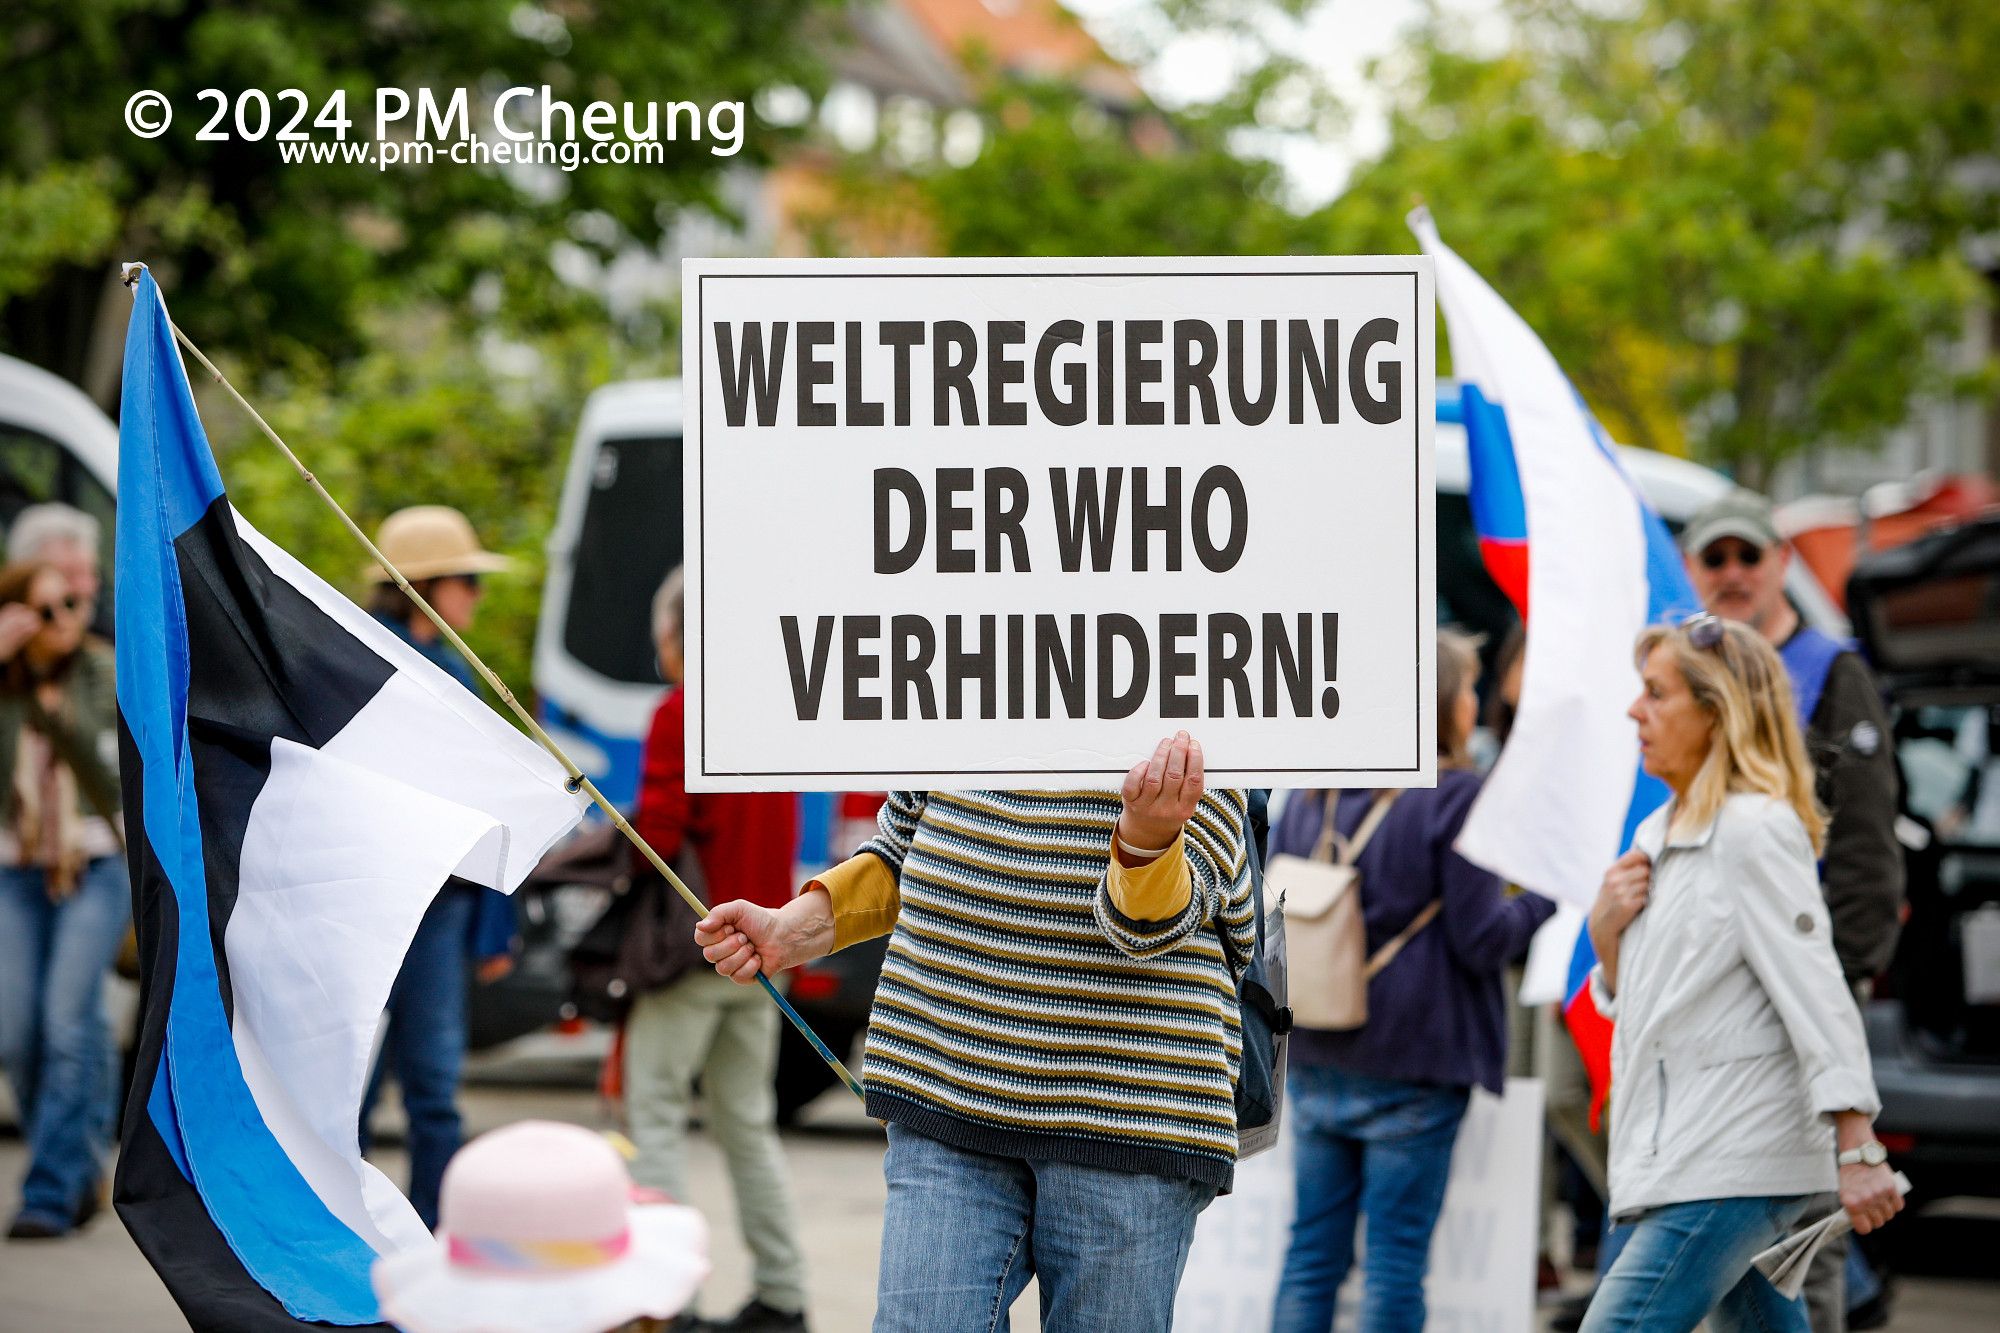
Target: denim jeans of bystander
pixel 964 1232
pixel 53 1038
pixel 1685 1262
pixel 424 1047
pixel 1364 1147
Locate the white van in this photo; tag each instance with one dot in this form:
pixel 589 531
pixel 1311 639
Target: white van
pixel 617 533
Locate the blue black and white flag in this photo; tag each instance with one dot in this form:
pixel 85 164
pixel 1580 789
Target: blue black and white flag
pixel 298 784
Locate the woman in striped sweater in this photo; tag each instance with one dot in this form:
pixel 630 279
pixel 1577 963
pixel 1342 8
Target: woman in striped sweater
pixel 1055 1039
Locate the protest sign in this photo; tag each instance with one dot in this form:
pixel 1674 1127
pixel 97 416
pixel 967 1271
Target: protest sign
pixel 1004 523
pixel 1482 1265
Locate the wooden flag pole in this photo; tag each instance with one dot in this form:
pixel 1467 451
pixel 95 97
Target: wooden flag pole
pixel 577 780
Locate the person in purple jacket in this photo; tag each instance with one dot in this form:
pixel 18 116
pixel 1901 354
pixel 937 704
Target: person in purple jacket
pixel 1375 1111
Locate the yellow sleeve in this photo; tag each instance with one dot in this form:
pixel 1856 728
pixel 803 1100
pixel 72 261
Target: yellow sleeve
pixel 1156 891
pixel 864 897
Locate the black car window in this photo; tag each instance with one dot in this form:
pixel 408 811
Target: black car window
pixel 631 537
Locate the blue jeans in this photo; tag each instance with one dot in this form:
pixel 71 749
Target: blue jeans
pixel 1863 1283
pixel 963 1232
pixel 1685 1262
pixel 1364 1146
pixel 425 1045
pixel 53 1038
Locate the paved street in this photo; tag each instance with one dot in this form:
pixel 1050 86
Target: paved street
pixel 99 1283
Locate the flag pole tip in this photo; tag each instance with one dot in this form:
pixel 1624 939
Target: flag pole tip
pixel 131 272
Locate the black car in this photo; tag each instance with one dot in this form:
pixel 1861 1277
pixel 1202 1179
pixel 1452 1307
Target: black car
pixel 1928 615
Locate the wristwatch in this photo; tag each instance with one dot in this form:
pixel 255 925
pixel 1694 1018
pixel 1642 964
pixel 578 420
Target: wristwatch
pixel 1871 1153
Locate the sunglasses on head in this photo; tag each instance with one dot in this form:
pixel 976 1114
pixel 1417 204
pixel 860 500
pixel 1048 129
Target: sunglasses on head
pixel 1704 631
pixel 1715 557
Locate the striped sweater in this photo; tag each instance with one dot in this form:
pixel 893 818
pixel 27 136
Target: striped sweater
pixel 1040 1000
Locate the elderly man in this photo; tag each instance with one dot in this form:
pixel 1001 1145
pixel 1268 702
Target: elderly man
pixel 1738 563
pixel 701 1026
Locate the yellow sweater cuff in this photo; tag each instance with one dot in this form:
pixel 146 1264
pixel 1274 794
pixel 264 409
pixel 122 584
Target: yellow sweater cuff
pixel 1156 891
pixel 864 897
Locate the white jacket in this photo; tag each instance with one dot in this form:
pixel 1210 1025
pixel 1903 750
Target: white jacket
pixel 1736 1037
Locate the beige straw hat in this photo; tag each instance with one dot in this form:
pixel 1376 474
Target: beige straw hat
pixel 430 542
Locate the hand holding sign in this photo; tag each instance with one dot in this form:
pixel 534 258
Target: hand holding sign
pixel 1160 795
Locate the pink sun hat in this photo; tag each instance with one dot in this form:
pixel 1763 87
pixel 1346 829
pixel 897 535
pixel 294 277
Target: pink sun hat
pixel 540 1232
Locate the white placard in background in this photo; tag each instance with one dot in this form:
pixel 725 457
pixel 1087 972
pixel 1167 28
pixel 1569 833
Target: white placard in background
pixel 915 493
pixel 1482 1273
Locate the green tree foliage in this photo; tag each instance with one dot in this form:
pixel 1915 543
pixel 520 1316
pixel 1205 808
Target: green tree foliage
pixel 265 257
pixel 1060 176
pixel 405 330
pixel 1745 225
pixel 1743 229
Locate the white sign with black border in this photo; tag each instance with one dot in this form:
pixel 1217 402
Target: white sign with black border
pixel 960 524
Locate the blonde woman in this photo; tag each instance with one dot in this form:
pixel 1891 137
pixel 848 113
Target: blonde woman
pixel 1740 1083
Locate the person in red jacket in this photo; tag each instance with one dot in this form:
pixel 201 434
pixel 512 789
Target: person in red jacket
pixel 705 1024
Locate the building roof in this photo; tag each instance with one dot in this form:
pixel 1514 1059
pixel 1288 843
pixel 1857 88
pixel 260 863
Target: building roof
pixel 933 48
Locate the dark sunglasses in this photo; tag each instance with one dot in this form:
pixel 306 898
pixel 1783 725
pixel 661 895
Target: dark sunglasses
pixel 1715 557
pixel 48 610
pixel 1704 631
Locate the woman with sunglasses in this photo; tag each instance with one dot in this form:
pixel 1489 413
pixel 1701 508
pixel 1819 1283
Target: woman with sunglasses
pixel 435 548
pixel 64 898
pixel 1740 1082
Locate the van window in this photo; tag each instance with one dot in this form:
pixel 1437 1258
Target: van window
pixel 631 537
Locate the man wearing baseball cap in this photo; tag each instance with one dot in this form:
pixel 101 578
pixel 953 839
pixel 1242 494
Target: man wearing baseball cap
pixel 1738 561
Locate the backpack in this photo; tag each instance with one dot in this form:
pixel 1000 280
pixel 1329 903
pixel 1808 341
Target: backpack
pixel 1323 893
pixel 642 941
pixel 1261 990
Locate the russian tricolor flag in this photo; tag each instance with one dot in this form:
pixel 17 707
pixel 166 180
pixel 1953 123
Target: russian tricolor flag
pixel 1565 532
pixel 298 785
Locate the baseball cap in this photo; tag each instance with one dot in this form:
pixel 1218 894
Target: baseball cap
pixel 1738 513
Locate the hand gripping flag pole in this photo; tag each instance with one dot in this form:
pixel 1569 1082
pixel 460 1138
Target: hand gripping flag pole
pixel 577 780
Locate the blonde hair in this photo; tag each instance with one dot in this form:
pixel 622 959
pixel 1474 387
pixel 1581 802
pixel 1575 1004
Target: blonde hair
pixel 1458 669
pixel 1755 745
